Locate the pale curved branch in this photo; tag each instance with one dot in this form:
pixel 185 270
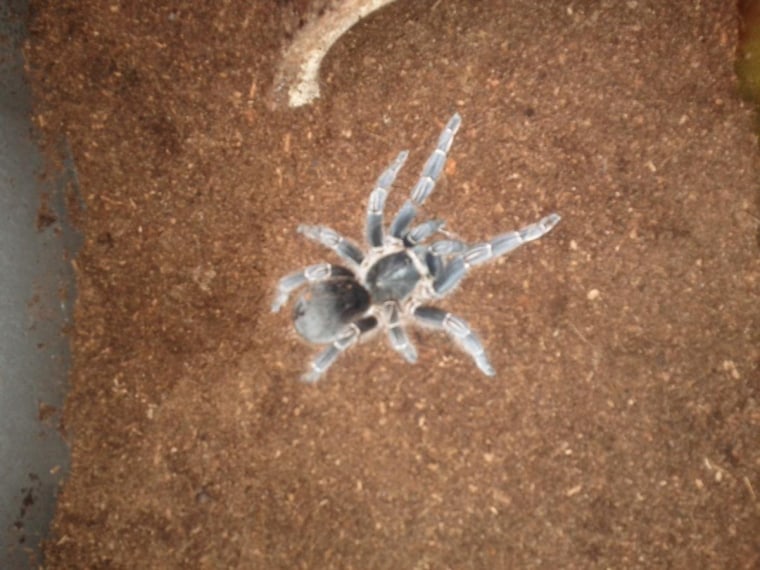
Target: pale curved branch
pixel 297 78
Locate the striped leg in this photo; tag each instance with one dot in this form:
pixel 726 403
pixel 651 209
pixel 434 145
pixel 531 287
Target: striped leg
pixel 459 331
pixel 423 231
pixel 429 176
pixel 396 333
pixel 329 238
pixel 457 268
pixel 376 205
pixel 343 342
pixel 312 274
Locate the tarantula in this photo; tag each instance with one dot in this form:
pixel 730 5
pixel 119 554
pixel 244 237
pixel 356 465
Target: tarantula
pixel 393 282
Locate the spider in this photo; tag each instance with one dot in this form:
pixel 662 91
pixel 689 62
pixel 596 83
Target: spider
pixel 393 282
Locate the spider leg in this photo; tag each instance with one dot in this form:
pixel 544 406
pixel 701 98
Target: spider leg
pixel 396 333
pixel 331 239
pixel 459 331
pixel 448 247
pixel 343 341
pixel 376 204
pixel 434 264
pixel 434 255
pixel 429 176
pixel 447 279
pixel 311 274
pixel 421 232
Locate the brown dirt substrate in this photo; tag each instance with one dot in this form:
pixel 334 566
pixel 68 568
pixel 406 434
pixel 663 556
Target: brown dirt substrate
pixel 622 428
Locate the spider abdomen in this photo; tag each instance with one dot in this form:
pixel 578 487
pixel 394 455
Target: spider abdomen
pixel 327 307
pixel 392 278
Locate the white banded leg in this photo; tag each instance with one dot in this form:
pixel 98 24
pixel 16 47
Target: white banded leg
pixel 311 274
pixel 480 253
pixel 376 204
pixel 423 231
pixel 347 338
pixel 429 176
pixel 331 239
pixel 504 243
pixel 396 333
pixel 439 251
pixel 446 247
pixel 459 331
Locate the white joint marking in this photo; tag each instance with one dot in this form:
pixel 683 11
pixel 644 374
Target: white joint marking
pixel 422 190
pixel 456 326
pixel 478 254
pixel 377 201
pixel 318 272
pixel 329 237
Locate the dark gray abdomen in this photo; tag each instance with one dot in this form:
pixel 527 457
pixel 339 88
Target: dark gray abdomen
pixel 326 307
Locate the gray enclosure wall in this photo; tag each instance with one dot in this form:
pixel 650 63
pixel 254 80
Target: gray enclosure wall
pixel 36 295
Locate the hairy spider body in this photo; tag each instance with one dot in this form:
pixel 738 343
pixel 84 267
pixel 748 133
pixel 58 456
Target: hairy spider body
pixel 327 307
pixel 391 284
pixel 392 277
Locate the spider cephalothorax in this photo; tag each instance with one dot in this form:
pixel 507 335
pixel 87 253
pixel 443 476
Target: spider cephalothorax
pixel 392 283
